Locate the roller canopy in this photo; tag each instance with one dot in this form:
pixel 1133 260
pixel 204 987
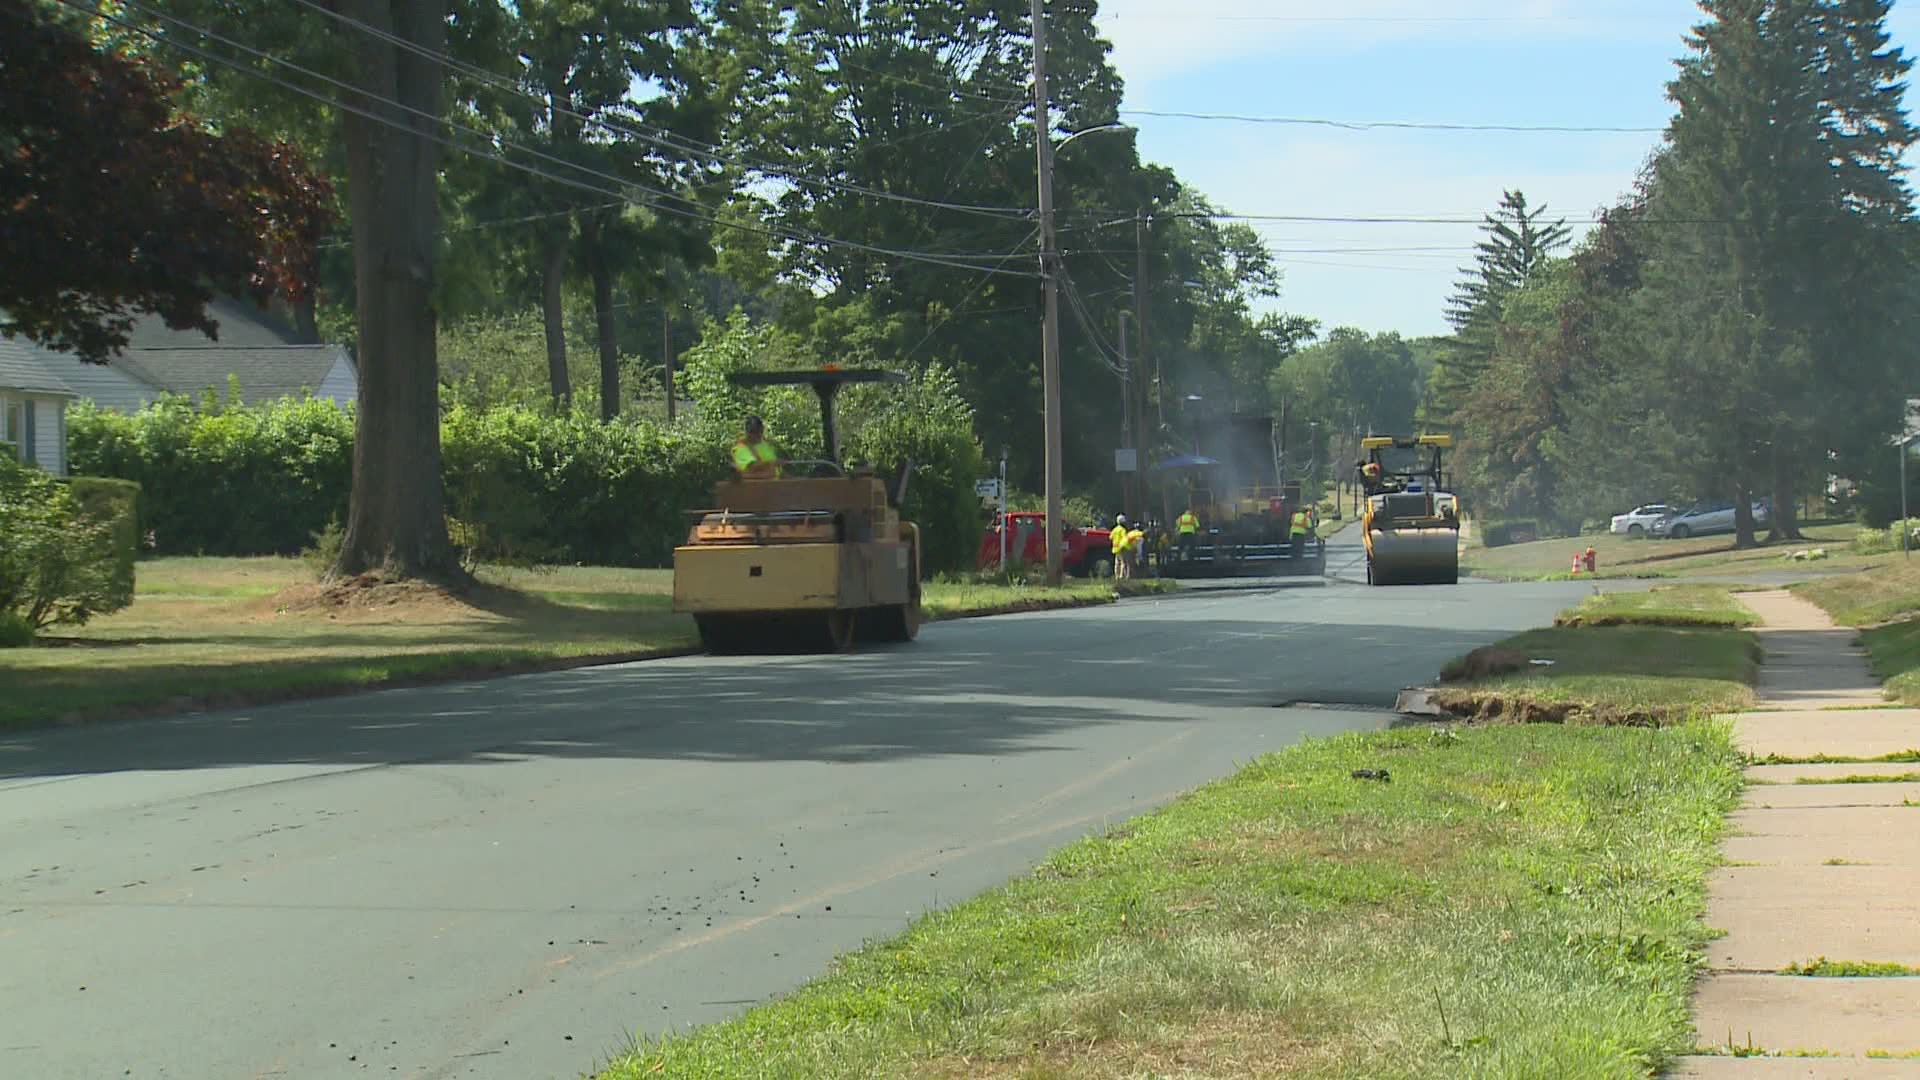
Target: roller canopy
pixel 826 382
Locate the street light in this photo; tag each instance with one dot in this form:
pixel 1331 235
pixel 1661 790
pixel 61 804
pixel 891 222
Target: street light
pixel 1049 260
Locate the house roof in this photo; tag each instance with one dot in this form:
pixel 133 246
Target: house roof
pixel 22 369
pixel 242 325
pixel 264 373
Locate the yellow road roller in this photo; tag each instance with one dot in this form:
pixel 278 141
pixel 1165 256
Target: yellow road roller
pixel 809 562
pixel 1412 522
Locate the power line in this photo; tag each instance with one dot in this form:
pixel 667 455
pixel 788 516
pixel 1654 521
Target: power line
pixel 1399 125
pixel 936 258
pixel 645 132
pixel 954 312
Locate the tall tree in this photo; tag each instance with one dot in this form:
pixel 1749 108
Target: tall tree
pixel 396 522
pixel 1516 241
pixel 1777 301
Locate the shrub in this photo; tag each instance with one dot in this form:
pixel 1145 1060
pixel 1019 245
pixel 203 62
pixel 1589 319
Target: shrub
pixel 115 504
pixel 58 564
pixel 1881 541
pixel 15 631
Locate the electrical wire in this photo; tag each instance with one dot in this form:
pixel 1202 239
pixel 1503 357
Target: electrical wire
pixel 954 312
pixel 1399 125
pixel 645 132
pixel 955 260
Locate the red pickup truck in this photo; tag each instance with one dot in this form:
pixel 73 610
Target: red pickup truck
pixel 1089 551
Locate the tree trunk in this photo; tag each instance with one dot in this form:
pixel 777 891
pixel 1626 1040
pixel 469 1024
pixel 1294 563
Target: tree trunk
pixel 1743 516
pixel 609 341
pixel 396 520
pixel 1785 523
pixel 553 274
pixel 306 318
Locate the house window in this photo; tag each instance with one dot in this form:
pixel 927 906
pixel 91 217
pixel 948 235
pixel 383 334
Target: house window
pixel 13 429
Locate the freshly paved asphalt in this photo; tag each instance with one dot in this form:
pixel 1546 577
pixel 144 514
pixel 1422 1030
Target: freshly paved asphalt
pixel 507 878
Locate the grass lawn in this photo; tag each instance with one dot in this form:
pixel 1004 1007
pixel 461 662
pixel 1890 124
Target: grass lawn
pixel 1514 901
pixel 1633 667
pixel 1873 600
pixel 1619 556
pixel 212 631
pixel 1888 592
pixel 1673 605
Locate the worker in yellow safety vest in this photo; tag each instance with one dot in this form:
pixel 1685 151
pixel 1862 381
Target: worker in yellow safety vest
pixel 1302 525
pixel 1136 549
pixel 1187 525
pixel 1122 539
pixel 754 458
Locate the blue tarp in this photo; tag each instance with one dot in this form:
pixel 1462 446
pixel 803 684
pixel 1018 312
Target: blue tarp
pixel 1189 461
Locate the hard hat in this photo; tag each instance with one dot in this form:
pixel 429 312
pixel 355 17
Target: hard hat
pixel 1119 519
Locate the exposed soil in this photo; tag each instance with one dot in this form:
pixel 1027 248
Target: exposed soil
pixel 1487 707
pixel 374 596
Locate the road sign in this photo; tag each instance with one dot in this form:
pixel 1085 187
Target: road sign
pixel 1127 460
pixel 987 489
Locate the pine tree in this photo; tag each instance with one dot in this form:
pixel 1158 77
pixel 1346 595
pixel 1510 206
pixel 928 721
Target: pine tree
pixel 1777 282
pixel 1517 241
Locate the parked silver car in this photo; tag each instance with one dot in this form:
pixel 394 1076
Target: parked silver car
pixel 1708 520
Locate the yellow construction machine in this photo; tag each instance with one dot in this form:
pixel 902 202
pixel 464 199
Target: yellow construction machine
pixel 803 563
pixel 1412 522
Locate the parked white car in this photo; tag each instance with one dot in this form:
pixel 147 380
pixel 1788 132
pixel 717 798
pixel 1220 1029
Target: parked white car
pixel 1639 520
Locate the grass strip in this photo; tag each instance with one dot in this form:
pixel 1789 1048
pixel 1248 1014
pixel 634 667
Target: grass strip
pixel 1867 599
pixel 1609 675
pixel 965 599
pixel 1677 605
pixel 1511 901
pixel 1824 968
pixel 1895 758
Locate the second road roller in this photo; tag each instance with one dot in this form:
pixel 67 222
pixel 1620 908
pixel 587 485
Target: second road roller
pixel 1411 523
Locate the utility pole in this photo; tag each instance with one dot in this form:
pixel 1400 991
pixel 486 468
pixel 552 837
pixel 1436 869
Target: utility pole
pixel 1049 261
pixel 666 353
pixel 1140 320
pixel 1127 440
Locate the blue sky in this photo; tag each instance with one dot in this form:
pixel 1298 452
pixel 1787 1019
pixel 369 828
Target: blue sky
pixel 1601 63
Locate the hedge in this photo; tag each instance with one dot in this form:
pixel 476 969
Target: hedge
pixel 224 480
pixel 522 485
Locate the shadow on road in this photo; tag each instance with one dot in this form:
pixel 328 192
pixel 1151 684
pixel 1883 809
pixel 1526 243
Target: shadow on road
pixel 994 687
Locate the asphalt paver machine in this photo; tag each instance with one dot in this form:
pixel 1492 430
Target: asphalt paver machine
pixel 1245 508
pixel 803 563
pixel 1411 523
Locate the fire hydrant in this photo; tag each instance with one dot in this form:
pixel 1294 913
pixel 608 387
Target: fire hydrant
pixel 1590 558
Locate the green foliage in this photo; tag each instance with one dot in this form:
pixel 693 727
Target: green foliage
pixel 15 631
pixel 528 486
pixel 226 481
pixel 116 504
pixel 1881 541
pixel 58 564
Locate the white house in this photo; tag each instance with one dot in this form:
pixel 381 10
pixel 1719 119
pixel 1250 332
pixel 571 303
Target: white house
pixel 33 408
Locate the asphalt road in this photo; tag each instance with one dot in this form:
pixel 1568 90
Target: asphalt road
pixel 506 878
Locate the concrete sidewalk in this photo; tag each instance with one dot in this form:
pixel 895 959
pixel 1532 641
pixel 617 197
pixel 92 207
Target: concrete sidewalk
pixel 1818 867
